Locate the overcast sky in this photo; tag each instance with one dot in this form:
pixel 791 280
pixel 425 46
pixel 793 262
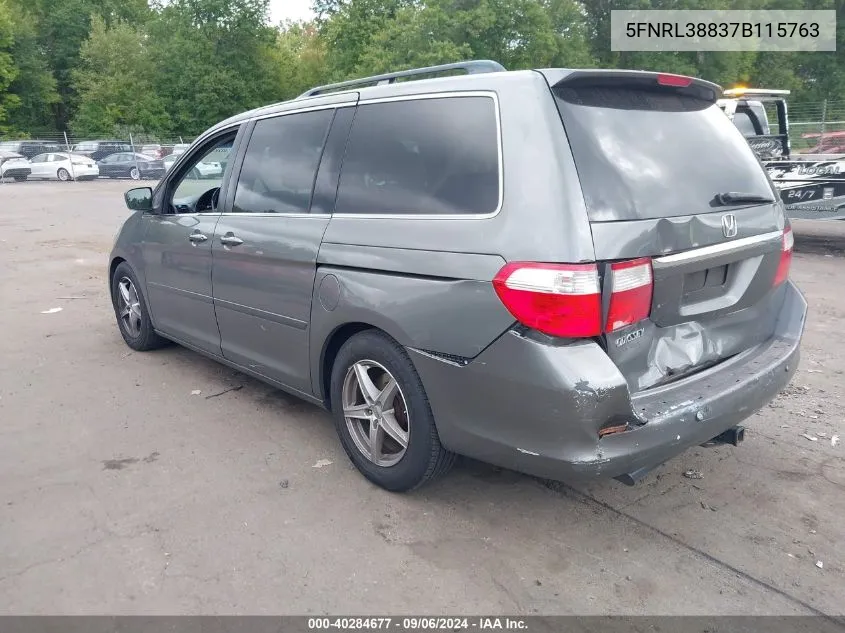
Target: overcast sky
pixel 290 10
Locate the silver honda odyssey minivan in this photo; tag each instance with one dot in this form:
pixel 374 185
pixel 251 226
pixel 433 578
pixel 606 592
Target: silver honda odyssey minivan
pixel 570 273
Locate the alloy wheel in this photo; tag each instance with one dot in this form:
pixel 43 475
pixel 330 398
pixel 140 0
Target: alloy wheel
pixel 376 413
pixel 129 307
pixel 135 174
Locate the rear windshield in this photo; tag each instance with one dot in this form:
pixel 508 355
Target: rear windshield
pixel 745 124
pixel 644 154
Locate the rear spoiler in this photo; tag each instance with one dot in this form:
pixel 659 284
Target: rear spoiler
pixel 692 86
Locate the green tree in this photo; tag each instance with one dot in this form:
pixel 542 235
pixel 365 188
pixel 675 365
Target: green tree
pixel 34 86
pixel 213 59
pixel 516 33
pixel 822 75
pixel 115 83
pixel 301 55
pixel 413 38
pixel 8 71
pixel 62 27
pixel 348 28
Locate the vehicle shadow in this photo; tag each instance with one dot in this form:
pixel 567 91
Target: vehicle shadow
pixel 817 237
pixel 817 244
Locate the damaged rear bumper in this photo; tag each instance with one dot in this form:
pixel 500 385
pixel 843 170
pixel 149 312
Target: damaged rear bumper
pixel 537 407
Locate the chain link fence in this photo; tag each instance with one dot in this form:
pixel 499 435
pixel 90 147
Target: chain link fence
pixel 818 128
pixel 814 128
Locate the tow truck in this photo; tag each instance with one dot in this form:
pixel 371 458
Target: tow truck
pixel 812 186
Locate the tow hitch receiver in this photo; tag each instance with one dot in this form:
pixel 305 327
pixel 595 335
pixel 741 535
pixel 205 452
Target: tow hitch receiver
pixel 733 435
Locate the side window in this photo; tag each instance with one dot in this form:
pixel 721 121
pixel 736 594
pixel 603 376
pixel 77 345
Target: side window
pixel 425 156
pixel 281 162
pixel 196 185
pixel 40 158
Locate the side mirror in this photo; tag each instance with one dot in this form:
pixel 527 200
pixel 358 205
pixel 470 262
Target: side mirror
pixel 139 199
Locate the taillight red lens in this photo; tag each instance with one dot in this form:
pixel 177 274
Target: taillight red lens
pixel 785 256
pixel 631 289
pixel 556 299
pixel 679 81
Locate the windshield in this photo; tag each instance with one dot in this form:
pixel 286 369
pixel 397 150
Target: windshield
pixel 644 154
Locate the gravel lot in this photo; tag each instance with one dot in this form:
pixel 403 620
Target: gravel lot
pixel 121 492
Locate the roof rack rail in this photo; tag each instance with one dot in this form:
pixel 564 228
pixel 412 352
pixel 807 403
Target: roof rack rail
pixel 473 67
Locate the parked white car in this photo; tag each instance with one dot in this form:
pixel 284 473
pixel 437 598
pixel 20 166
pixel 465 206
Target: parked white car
pixel 13 165
pixel 153 150
pixel 64 166
pixel 202 169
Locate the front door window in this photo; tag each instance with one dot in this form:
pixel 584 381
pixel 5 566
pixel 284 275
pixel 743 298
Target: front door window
pixel 197 186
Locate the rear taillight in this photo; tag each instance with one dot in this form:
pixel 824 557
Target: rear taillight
pixel 631 288
pixel 565 299
pixel 785 256
pixel 556 299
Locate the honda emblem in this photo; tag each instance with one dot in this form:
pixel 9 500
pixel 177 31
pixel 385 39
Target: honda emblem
pixel 729 226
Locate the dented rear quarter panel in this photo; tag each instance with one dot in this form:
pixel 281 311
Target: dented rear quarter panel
pixel 415 297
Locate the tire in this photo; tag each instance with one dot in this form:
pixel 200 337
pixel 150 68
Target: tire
pixel 134 174
pixel 144 337
pixel 424 457
pixel 63 174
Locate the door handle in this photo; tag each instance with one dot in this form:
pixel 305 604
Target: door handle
pixel 230 240
pixel 197 237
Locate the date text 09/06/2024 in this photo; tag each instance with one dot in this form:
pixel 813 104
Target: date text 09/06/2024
pixel 681 30
pixel 417 623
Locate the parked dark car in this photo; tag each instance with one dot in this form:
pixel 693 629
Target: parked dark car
pixel 100 149
pixel 14 165
pixel 30 148
pixel 136 166
pixel 571 273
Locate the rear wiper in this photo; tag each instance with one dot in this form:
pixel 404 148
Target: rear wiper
pixel 738 197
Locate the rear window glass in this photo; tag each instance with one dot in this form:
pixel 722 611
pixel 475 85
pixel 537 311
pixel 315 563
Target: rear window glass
pixel 644 154
pixel 744 123
pixel 423 156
